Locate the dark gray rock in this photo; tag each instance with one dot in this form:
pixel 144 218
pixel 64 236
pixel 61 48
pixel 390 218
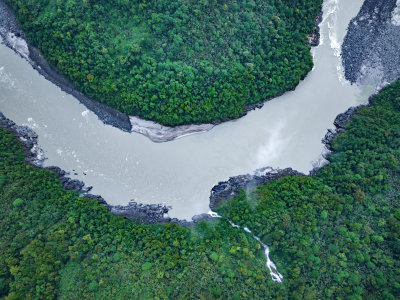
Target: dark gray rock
pixel 60 172
pixel 340 122
pixel 202 217
pixel 371 48
pixel 329 136
pixel 33 154
pixel 151 213
pixel 342 119
pixel 314 37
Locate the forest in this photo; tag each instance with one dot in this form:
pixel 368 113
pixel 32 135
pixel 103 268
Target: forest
pixel 332 235
pixel 175 62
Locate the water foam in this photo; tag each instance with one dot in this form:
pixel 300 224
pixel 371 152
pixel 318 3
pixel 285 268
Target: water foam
pixel 332 9
pixel 396 14
pixel 6 79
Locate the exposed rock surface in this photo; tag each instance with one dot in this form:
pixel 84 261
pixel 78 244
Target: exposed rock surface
pixel 314 37
pixel 33 154
pixel 340 122
pixel 152 213
pixel 371 48
pixel 159 133
pixel 68 183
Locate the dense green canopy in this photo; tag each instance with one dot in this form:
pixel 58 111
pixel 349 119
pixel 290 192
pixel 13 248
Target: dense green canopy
pixel 335 235
pixel 175 61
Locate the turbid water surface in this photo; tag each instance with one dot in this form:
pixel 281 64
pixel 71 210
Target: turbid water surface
pixel 122 166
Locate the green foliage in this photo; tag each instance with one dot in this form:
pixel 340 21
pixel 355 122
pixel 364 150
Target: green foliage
pixel 147 266
pixel 18 202
pixel 336 235
pixel 68 277
pixel 63 246
pixel 117 257
pixel 326 241
pixel 93 286
pixel 2 180
pixel 214 256
pixel 177 61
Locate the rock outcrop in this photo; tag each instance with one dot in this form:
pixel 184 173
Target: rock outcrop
pixel 371 48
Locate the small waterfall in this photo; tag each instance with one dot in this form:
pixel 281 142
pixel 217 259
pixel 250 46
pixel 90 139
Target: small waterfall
pixel 275 275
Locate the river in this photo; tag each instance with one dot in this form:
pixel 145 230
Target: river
pixel 123 166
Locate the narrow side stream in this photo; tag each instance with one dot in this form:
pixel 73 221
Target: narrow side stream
pixel 275 275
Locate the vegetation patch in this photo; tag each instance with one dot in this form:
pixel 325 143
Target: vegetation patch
pixel 175 62
pixel 334 235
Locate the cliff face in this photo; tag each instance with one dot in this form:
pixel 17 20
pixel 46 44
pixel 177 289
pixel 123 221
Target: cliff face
pixel 371 48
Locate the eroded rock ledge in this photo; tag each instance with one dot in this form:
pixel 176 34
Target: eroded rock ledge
pixel 159 133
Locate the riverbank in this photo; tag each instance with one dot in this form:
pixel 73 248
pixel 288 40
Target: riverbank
pixel 371 48
pixel 227 190
pixel 34 155
pixel 158 213
pixel 345 221
pixel 15 38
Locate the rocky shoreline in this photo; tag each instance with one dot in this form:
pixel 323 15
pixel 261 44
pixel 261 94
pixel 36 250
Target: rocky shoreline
pixel 34 155
pixel 314 37
pixel 159 133
pixel 370 51
pixel 227 190
pixel 15 39
pixel 340 122
pixel 158 213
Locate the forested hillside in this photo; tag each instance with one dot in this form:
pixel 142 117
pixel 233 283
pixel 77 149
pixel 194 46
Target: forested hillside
pixel 337 234
pixel 334 235
pixel 175 62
